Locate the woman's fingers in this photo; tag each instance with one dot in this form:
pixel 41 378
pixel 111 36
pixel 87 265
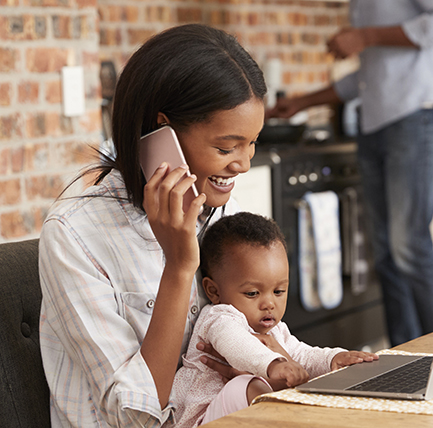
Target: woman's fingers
pixel 227 372
pixel 208 348
pixel 164 192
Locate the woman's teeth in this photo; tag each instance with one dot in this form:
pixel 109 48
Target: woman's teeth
pixel 219 181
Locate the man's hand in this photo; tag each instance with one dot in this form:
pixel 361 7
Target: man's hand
pixel 344 359
pixel 347 42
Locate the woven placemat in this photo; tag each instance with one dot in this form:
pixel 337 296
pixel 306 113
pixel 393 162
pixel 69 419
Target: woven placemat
pixel 349 402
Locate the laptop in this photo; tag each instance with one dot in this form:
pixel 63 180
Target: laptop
pixel 391 376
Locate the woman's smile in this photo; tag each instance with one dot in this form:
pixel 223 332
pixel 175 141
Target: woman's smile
pixel 223 184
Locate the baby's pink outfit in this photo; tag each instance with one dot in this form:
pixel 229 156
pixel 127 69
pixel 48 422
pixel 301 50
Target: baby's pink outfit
pixel 196 385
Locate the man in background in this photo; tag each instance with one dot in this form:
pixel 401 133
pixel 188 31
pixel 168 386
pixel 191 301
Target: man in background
pixel 394 39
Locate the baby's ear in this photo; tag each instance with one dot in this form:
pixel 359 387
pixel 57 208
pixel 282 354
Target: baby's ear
pixel 211 289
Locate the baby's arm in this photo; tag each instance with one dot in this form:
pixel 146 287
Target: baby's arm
pixel 348 358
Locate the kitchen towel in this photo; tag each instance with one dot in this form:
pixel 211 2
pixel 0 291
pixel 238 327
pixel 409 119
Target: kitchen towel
pixel 320 269
pixel 355 263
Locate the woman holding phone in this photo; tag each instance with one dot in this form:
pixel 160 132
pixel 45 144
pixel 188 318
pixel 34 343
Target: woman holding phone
pixel 118 263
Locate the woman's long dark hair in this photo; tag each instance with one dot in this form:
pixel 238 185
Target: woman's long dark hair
pixel 188 73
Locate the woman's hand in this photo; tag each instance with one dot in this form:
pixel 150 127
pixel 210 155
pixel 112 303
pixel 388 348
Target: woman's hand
pixel 348 358
pixel 174 229
pixel 227 372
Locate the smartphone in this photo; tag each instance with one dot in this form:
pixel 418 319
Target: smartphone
pixel 161 146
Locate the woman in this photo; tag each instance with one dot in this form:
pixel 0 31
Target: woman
pixel 119 305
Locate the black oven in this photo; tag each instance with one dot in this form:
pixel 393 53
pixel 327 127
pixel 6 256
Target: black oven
pixel 297 168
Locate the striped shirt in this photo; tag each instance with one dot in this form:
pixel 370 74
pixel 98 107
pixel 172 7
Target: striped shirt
pixel 100 268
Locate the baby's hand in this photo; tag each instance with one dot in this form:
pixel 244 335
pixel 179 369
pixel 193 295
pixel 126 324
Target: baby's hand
pixel 291 372
pixel 348 358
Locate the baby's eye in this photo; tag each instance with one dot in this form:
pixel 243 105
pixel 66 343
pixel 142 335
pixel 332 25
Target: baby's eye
pixel 251 293
pixel 279 292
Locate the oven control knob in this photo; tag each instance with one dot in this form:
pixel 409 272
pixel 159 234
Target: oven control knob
pixel 303 178
pixel 313 176
pixel 292 180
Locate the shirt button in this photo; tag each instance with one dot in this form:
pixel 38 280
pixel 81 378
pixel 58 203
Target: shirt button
pixel 194 309
pixel 150 303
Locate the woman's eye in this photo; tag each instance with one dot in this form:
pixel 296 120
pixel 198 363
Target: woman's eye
pixel 225 152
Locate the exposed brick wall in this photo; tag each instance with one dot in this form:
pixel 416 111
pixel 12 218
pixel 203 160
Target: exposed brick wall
pixel 293 31
pixel 41 150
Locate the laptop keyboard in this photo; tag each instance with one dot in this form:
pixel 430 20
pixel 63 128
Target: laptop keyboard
pixel 406 379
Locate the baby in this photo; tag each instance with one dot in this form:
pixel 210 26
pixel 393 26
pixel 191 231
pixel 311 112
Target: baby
pixel 246 277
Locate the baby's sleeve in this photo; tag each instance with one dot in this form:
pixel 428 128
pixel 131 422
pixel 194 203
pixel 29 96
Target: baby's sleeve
pixel 227 330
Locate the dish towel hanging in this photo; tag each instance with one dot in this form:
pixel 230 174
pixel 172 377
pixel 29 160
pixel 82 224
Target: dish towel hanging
pixel 355 263
pixel 320 272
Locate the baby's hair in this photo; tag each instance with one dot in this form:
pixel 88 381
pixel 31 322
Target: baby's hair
pixel 240 228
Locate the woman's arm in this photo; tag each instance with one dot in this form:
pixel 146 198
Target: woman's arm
pixel 176 233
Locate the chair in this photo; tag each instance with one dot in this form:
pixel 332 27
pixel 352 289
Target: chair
pixel 24 393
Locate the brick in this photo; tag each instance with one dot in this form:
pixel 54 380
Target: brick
pixel 159 14
pixel 43 60
pixel 17 159
pixel 91 59
pixel 65 123
pixel 296 18
pixel 86 3
pixel 5 94
pixel 17 224
pixel 53 91
pixel 62 27
pixel 52 122
pixel 139 36
pixel 23 27
pixel 47 3
pixel 115 13
pixel 131 13
pixel 13 225
pixel 36 157
pixel 8 59
pixel 73 153
pixel 10 192
pixel 10 126
pixel 43 187
pixel 28 92
pixel 111 37
pixel 188 15
pixel 81 28
pixel 4 161
pixel 311 38
pixel 9 3
pixel 91 121
pixel 36 125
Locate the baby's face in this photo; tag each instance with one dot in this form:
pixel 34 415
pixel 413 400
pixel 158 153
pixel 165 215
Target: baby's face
pixel 255 280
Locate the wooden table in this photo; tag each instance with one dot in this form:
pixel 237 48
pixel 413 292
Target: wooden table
pixel 275 415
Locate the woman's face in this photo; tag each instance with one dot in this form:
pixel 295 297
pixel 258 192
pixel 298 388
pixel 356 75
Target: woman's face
pixel 221 148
